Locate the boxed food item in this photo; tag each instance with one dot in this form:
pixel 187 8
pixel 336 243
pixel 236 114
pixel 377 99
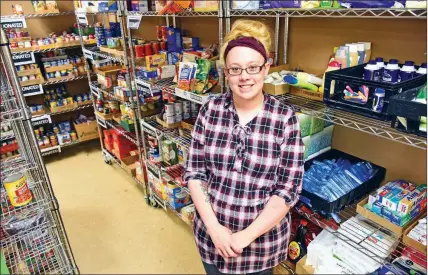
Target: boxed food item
pixel 174 39
pixel 191 43
pixel 205 6
pixel 177 196
pixel 174 57
pixel 186 75
pixel 169 152
pixel 188 213
pixel 155 60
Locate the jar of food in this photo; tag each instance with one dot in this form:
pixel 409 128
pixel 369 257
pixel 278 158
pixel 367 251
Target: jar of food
pixel 73 136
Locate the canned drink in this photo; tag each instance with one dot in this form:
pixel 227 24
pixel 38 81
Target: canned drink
pixel 169 109
pixel 178 106
pixel 17 190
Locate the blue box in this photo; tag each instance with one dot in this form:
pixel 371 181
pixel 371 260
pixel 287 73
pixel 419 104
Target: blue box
pixel 174 39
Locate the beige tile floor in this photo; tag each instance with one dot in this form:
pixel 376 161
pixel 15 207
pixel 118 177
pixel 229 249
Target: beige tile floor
pixel 110 227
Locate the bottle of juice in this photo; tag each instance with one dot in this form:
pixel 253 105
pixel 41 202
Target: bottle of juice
pixel 297 248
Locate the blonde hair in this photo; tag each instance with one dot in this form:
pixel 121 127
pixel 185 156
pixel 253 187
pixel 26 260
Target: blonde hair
pixel 248 28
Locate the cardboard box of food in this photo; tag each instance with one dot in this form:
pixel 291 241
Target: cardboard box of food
pixel 87 131
pixel 411 242
pixel 398 230
pixel 277 89
pixel 302 268
pixel 129 164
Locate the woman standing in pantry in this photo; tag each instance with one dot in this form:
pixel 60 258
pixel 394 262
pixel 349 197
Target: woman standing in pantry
pixel 245 163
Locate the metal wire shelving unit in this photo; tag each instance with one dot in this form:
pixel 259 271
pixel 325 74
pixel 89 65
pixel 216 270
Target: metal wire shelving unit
pixel 33 238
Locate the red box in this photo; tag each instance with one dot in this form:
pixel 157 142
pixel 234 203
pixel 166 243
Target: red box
pixel 108 135
pixel 9 148
pixel 108 145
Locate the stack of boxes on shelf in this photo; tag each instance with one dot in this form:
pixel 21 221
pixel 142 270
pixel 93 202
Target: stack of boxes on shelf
pixel 118 145
pixel 316 133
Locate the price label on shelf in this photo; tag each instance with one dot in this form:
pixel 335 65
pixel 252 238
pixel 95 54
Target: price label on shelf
pixel 82 19
pixel 41 120
pixel 51 150
pixel 23 58
pixel 32 90
pixel 143 86
pixel 11 23
pixel 134 21
pixel 101 122
pixel 196 98
pixel 88 54
pixel 94 91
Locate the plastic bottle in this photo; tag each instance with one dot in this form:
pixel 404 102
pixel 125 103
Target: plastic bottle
pixel 353 54
pixel 367 50
pixel 361 53
pixel 381 67
pixel 332 66
pixel 297 248
pixel 371 71
pixel 391 71
pixel 407 71
pixel 341 58
pixel 422 70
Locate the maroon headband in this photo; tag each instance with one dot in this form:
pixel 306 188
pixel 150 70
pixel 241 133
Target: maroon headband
pixel 245 41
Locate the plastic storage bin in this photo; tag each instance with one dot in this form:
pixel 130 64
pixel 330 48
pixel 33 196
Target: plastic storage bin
pixel 401 105
pixel 337 81
pixel 319 204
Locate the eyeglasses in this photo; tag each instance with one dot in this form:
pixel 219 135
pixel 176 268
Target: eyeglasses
pixel 250 70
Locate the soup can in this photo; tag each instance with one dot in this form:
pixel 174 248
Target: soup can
pixel 169 109
pixel 178 106
pixel 170 119
pixel 186 106
pixel 17 190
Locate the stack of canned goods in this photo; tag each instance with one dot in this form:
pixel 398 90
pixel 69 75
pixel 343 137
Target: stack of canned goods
pixel 180 110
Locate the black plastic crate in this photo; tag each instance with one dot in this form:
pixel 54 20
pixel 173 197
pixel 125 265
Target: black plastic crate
pixel 319 204
pixel 401 105
pixel 353 77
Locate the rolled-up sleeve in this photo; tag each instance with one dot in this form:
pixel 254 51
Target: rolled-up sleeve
pixel 195 167
pixel 290 170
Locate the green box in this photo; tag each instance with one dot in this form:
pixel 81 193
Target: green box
pixel 130 127
pixel 305 122
pixel 317 125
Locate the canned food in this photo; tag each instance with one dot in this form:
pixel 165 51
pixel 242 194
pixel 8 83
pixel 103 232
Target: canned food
pixel 170 119
pixel 73 136
pixel 169 109
pixel 178 107
pixel 178 117
pixel 17 190
pixel 186 115
pixel 27 44
pixel 194 114
pixel 46 140
pixel 148 49
pixel 156 47
pixel 163 46
pixel 13 45
pixel 186 106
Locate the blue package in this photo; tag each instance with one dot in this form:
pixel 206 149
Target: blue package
pixel 174 39
pixel 173 58
pixel 361 4
pixel 389 269
pixel 377 208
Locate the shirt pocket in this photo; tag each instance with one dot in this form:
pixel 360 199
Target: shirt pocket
pixel 262 157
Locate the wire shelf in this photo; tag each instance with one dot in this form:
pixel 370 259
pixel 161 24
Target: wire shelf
pixel 336 13
pixel 98 89
pixel 111 157
pixel 39 15
pixel 360 123
pixel 39 252
pixel 49 50
pixel 46 83
pixel 9 110
pixel 80 107
pixel 185 13
pixel 16 166
pixel 97 52
pixel 128 135
pixel 354 237
pixel 6 136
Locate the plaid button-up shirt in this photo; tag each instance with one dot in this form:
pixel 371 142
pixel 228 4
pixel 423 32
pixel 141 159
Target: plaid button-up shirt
pixel 244 166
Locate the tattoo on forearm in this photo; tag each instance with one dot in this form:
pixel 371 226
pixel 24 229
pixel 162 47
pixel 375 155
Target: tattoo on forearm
pixel 204 187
